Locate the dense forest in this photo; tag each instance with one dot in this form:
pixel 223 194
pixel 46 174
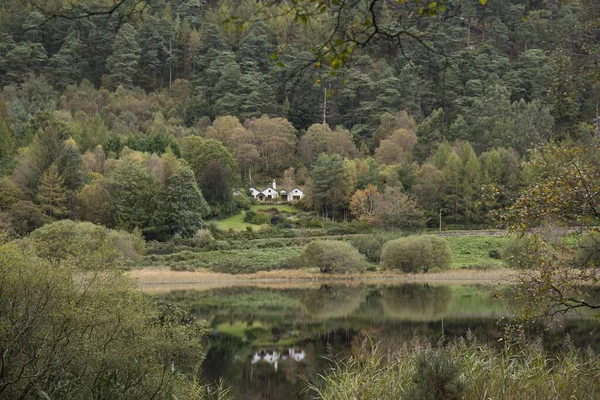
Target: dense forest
pixel 148 119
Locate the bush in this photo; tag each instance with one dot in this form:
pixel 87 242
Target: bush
pixel 315 223
pixel 332 256
pixel 436 377
pixel 261 219
pixel 416 253
pixel 371 245
pixel 522 252
pixel 67 238
pixel 495 254
pixel 249 215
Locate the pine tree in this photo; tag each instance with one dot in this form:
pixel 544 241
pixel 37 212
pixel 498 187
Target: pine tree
pixel 192 11
pixel 67 63
pixel 71 167
pixel 122 63
pixel 52 194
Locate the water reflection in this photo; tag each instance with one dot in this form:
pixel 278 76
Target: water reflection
pixel 417 302
pixel 332 301
pixel 264 341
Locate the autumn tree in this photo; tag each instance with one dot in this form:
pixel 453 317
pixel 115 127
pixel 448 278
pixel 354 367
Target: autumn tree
pixel 363 203
pixel 563 192
pixel 275 141
pixel 397 148
pixel 240 142
pixel 52 194
pixel 97 204
pixel 395 209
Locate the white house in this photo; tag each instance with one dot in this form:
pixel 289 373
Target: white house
pixel 271 193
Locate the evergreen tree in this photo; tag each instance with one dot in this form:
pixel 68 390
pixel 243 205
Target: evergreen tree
pixel 67 64
pixel 71 167
pixel 123 62
pixel 328 186
pixel 52 194
pixel 192 11
pixel 430 132
pixel 183 204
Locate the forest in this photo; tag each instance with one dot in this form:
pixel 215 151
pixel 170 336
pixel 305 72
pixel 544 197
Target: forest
pixel 134 133
pixel 97 113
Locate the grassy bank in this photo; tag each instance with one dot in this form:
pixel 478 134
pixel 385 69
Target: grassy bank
pixel 241 255
pixel 474 251
pixel 465 370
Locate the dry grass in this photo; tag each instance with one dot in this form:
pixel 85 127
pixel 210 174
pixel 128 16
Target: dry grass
pixel 164 280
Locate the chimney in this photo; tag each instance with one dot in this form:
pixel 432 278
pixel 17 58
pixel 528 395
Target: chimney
pixel 274 185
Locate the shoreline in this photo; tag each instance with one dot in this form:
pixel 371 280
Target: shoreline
pixel 163 280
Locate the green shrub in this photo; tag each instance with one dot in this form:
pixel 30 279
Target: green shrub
pixel 522 252
pixel 315 223
pixel 416 253
pixel 495 254
pixel 249 215
pixel 371 245
pixel 261 218
pixel 436 377
pixel 67 238
pixel 332 256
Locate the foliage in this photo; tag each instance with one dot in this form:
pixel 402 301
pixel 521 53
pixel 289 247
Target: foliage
pixel 184 206
pixel 524 252
pixel 363 203
pixel 416 253
pixel 25 217
pixel 397 210
pixel 66 239
pixel 562 187
pixel 371 245
pixel 68 334
pixel 332 257
pixel 136 194
pixel 52 194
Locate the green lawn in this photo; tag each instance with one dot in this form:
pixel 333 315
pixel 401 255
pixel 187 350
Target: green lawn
pixel 474 250
pixel 236 222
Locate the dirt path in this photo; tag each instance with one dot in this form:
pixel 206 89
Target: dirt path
pixel 164 280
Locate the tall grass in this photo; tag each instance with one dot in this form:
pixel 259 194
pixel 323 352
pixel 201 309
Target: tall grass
pixel 513 372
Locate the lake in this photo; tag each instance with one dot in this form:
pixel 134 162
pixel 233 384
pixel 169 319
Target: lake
pixel 266 341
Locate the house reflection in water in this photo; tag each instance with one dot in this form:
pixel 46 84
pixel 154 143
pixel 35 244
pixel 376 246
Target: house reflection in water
pixel 273 357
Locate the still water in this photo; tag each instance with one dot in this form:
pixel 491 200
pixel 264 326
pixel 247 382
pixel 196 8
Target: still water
pixel 266 341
